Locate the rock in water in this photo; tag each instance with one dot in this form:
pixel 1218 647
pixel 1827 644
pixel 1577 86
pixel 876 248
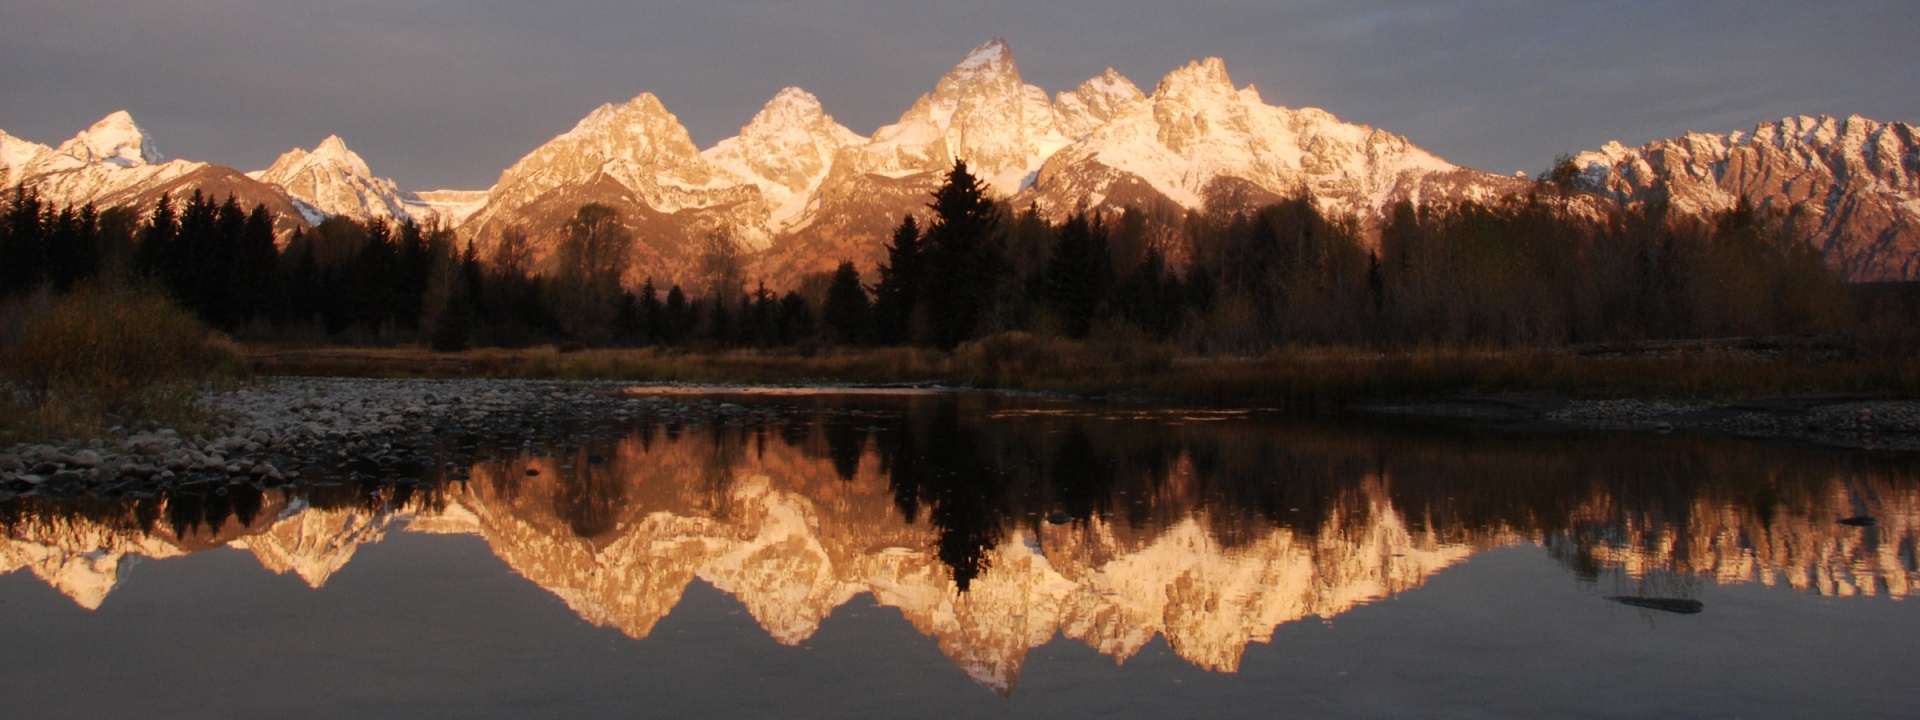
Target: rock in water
pixel 1682 606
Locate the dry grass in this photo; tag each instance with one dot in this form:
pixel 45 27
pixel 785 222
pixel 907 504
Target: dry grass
pixel 1301 377
pixel 107 352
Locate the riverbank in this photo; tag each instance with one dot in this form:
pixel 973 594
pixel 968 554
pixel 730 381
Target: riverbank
pixel 1297 379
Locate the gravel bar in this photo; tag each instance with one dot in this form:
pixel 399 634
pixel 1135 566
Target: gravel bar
pixel 283 431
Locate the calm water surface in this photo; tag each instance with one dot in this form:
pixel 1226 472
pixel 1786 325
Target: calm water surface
pixel 970 555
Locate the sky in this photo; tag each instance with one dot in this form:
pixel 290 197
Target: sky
pixel 448 93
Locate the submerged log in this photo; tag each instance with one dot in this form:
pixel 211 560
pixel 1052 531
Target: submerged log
pixel 1682 606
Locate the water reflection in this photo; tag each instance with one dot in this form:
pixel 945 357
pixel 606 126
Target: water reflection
pixel 994 525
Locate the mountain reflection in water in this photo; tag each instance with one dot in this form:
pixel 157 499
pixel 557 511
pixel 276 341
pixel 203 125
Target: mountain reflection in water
pixel 995 524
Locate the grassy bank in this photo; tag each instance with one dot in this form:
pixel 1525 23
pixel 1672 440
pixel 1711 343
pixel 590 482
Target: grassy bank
pixel 1299 377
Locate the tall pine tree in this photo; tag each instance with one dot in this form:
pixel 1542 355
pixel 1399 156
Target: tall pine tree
pixel 899 288
pixel 847 315
pixel 964 259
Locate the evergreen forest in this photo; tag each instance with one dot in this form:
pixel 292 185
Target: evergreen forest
pixel 1553 268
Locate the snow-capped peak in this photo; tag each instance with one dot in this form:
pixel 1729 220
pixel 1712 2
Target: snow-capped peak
pixel 790 107
pixel 785 151
pixel 334 180
pixel 1111 83
pixel 996 54
pixel 115 139
pixel 1198 78
pixel 335 151
pixel 1096 102
pixel 633 116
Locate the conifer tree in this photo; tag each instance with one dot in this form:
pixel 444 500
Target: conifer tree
pixel 653 317
pixel 679 316
pixel 847 315
pixel 253 266
pixel 964 258
pixel 157 239
pixel 796 319
pixel 898 291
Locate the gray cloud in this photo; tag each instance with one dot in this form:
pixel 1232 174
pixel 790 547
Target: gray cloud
pixel 446 93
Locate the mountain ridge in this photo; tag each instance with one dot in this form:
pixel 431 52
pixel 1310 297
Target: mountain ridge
pixel 799 191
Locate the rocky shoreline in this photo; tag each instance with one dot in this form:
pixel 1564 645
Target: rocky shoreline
pixel 288 431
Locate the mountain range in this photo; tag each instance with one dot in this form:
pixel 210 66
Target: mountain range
pixel 800 192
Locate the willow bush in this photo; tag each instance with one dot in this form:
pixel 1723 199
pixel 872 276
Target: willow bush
pixel 110 348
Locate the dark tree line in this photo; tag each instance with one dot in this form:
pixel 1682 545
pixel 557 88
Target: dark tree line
pixel 1544 269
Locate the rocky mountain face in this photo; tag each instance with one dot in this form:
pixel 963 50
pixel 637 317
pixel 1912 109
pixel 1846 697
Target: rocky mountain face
pixel 1854 184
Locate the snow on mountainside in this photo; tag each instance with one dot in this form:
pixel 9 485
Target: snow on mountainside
pixel 114 163
pixel 1197 130
pixel 451 206
pixel 334 180
pixel 1107 145
pixel 638 158
pixel 1854 181
pixel 785 152
pixel 981 112
pixel 15 157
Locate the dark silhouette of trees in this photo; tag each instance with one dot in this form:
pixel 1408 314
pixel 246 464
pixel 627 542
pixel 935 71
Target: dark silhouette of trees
pixel 22 244
pixel 1556 267
pixel 1079 274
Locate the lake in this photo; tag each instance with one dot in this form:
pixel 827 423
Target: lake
pixel 934 554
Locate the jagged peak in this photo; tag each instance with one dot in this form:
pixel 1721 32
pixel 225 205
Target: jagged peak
pixel 1200 77
pixel 996 54
pixel 611 116
pixel 332 145
pixel 790 106
pixel 334 151
pixel 115 139
pixel 1110 83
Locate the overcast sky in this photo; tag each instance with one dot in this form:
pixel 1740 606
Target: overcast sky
pixel 447 93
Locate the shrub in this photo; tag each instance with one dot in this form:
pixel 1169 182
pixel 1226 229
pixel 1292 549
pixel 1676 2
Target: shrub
pixel 111 347
pixel 1008 358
